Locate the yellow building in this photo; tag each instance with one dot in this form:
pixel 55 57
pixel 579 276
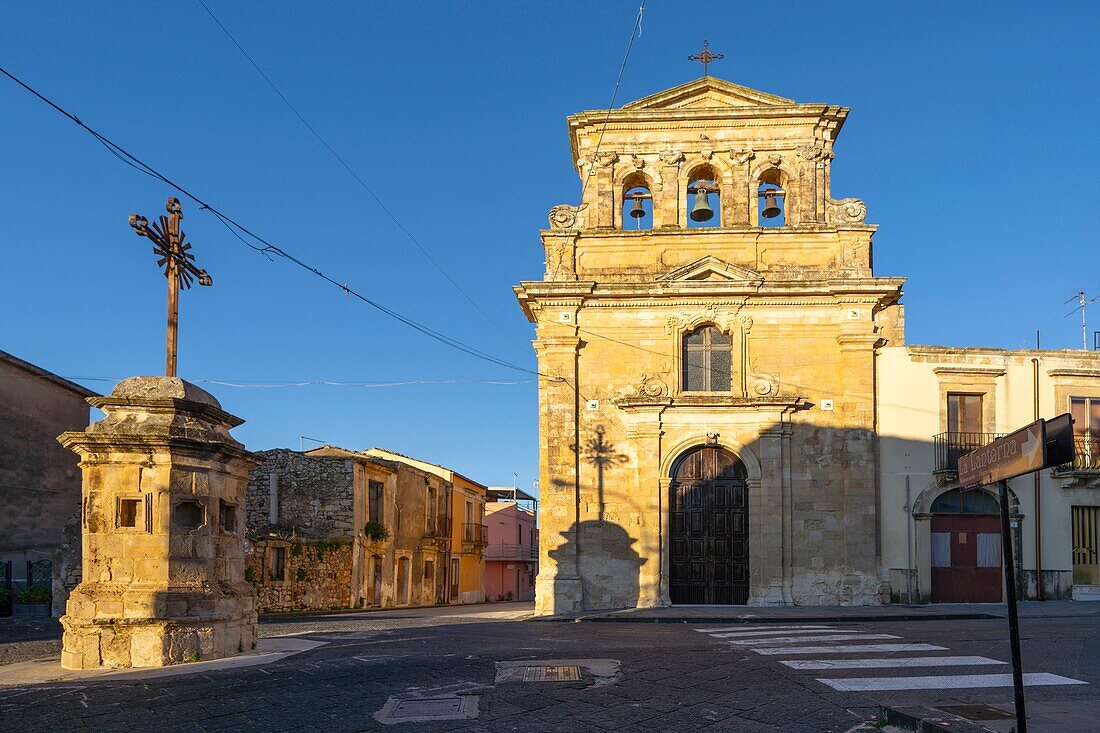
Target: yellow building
pixel 466 528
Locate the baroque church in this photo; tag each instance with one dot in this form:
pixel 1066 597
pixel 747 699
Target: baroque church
pixel 728 410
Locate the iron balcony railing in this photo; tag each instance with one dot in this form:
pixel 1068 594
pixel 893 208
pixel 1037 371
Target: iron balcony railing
pixel 475 533
pixel 437 526
pixel 951 446
pixel 511 552
pixel 1086 455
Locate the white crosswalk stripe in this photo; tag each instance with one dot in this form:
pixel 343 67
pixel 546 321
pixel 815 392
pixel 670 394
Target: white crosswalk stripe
pixel 798 632
pixel 758 628
pixel 944 682
pixel 889 663
pixel 784 640
pixel 847 649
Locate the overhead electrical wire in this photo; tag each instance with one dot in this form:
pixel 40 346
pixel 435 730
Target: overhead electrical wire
pixel 381 204
pixel 267 247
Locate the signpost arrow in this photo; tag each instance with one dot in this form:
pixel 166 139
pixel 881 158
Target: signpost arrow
pixel 1042 444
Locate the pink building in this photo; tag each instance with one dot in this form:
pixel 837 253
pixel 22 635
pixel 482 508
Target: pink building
pixel 512 555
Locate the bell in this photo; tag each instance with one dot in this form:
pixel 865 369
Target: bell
pixel 701 211
pixel 637 211
pixel 771 204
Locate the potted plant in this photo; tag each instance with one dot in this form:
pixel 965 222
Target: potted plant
pixel 376 532
pixel 34 601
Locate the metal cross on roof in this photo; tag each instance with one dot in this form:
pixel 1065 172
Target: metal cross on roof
pixel 178 263
pixel 705 57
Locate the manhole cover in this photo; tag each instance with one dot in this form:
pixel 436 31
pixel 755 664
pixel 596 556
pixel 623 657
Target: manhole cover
pixel 432 708
pixel 978 712
pixel 551 674
pixel 416 709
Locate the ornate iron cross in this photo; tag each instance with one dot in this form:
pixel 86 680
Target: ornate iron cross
pixel 179 266
pixel 705 57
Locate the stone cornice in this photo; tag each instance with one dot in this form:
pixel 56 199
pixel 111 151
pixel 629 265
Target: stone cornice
pixel 1078 373
pixel 965 370
pixel 84 443
pixel 640 403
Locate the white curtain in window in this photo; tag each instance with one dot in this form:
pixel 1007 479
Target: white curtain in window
pixel 989 550
pixel 941 549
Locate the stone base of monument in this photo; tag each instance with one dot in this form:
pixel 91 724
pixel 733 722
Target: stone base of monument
pixel 163 531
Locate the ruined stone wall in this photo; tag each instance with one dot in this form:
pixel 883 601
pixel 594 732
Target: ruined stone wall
pixel 316 575
pixel 315 496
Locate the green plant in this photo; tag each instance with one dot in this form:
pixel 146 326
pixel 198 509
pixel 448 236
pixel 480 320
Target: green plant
pixel 295 550
pixel 5 596
pixel 194 657
pixel 375 532
pixel 37 593
pixel 301 575
pixel 250 574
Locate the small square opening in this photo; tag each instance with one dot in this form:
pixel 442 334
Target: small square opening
pixel 128 510
pixel 228 517
pixel 189 514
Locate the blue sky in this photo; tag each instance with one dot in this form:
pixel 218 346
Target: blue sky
pixel 972 138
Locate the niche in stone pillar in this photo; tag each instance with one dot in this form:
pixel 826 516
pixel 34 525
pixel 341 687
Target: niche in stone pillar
pixel 637 210
pixel 771 206
pixel 704 198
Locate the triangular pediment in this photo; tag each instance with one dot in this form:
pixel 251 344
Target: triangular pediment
pixel 708 92
pixel 711 269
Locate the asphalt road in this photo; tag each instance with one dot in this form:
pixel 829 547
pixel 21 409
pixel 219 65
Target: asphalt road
pixel 669 677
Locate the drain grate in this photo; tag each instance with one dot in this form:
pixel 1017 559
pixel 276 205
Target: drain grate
pixel 551 674
pixel 977 712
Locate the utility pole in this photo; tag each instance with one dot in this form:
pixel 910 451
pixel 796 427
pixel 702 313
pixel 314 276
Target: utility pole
pixel 1079 296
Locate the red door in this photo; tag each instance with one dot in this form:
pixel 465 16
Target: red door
pixel 966 558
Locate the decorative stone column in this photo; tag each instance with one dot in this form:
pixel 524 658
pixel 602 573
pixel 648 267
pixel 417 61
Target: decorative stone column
pixel 163 521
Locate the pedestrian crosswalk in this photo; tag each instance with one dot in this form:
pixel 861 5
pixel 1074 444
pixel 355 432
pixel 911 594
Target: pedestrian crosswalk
pixel 831 649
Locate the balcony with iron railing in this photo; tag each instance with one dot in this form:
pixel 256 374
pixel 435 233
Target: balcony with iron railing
pixel 951 446
pixel 511 552
pixel 437 526
pixel 475 534
pixel 1086 456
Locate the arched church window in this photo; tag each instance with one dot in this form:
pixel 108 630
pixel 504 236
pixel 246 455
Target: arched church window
pixel 706 360
pixel 704 198
pixel 637 206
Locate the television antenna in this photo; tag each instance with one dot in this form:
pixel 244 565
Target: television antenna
pixel 1080 297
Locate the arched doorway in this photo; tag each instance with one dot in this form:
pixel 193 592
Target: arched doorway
pixel 966 547
pixel 709 528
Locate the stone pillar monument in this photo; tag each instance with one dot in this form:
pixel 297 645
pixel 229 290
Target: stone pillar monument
pixel 163 521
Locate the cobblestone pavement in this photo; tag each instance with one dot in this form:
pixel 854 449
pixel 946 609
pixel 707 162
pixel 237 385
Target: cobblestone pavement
pixel 671 678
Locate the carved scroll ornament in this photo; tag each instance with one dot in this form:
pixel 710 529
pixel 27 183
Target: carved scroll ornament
pixel 564 216
pixel 845 211
pixel 741 157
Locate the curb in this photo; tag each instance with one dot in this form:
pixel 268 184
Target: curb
pixel 780 619
pixel 928 720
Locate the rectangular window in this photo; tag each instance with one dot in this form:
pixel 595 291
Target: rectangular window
pixel 278 563
pixel 1086 567
pixel 228 516
pixel 429 570
pixel 429 517
pixel 374 499
pixel 519 534
pixel 941 549
pixel 128 510
pixel 989 550
pixel 964 413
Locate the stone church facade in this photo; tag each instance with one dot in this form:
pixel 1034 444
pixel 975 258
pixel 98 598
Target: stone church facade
pixel 707 388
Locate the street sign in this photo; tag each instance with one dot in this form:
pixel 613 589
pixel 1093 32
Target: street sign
pixel 1018 453
pixel 1042 444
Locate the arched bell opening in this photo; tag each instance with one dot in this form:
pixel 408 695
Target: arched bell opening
pixel 709 528
pixel 704 198
pixel 772 200
pixel 637 203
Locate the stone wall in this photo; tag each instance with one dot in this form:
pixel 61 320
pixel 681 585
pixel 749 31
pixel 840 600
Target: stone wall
pixel 316 575
pixel 315 496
